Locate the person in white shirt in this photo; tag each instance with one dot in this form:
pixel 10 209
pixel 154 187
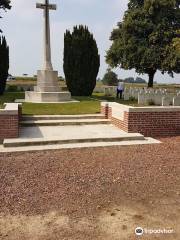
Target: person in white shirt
pixel 120 89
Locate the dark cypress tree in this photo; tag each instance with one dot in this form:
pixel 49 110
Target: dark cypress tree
pixel 81 61
pixel 4 4
pixel 4 64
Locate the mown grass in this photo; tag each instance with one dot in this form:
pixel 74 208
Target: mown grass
pixel 84 106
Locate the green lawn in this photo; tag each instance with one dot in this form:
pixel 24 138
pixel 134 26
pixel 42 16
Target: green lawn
pixel 86 105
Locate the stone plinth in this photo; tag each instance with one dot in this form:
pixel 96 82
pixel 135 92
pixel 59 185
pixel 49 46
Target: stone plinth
pixel 47 81
pixel 47 97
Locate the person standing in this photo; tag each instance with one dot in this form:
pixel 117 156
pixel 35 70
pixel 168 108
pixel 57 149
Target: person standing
pixel 120 89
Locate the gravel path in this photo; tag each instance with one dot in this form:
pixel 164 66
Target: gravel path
pixel 86 194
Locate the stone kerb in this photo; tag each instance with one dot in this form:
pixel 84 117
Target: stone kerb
pixel 118 110
pixel 155 109
pixel 9 120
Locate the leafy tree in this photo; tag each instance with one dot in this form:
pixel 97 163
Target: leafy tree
pixel 148 38
pixel 4 64
pixel 81 61
pixel 140 80
pixel 4 4
pixel 129 80
pixel 110 78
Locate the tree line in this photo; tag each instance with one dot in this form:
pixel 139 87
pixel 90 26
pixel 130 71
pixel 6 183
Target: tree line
pixel 111 78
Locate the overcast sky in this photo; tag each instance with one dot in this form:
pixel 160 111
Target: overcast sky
pixel 22 26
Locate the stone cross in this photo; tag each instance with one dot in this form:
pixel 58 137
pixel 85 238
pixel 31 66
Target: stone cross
pixel 47 42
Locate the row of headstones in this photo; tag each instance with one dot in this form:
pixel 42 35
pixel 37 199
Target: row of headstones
pixel 131 92
pixel 145 96
pixel 159 97
pixel 162 100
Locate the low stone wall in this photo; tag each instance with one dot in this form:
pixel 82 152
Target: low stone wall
pixel 149 121
pixel 9 121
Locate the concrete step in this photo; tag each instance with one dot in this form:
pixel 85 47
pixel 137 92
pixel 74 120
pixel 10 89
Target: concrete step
pixel 77 145
pixel 73 122
pixel 22 142
pixel 61 117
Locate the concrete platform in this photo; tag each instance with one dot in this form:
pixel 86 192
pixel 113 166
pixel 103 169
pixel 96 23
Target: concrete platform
pixel 45 135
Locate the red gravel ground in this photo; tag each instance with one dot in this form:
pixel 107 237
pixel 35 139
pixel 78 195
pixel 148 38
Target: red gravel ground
pixel 87 194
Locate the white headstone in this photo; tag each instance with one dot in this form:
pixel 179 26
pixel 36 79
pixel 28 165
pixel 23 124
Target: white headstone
pixel 167 100
pixel 176 101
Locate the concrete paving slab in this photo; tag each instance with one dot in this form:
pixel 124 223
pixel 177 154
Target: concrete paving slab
pixel 69 132
pixel 44 135
pixel 58 137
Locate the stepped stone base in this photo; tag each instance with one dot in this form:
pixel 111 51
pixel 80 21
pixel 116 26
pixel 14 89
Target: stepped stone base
pixel 47 97
pixel 47 89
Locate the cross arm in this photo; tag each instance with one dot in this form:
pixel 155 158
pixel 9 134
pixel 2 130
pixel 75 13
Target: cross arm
pixel 43 6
